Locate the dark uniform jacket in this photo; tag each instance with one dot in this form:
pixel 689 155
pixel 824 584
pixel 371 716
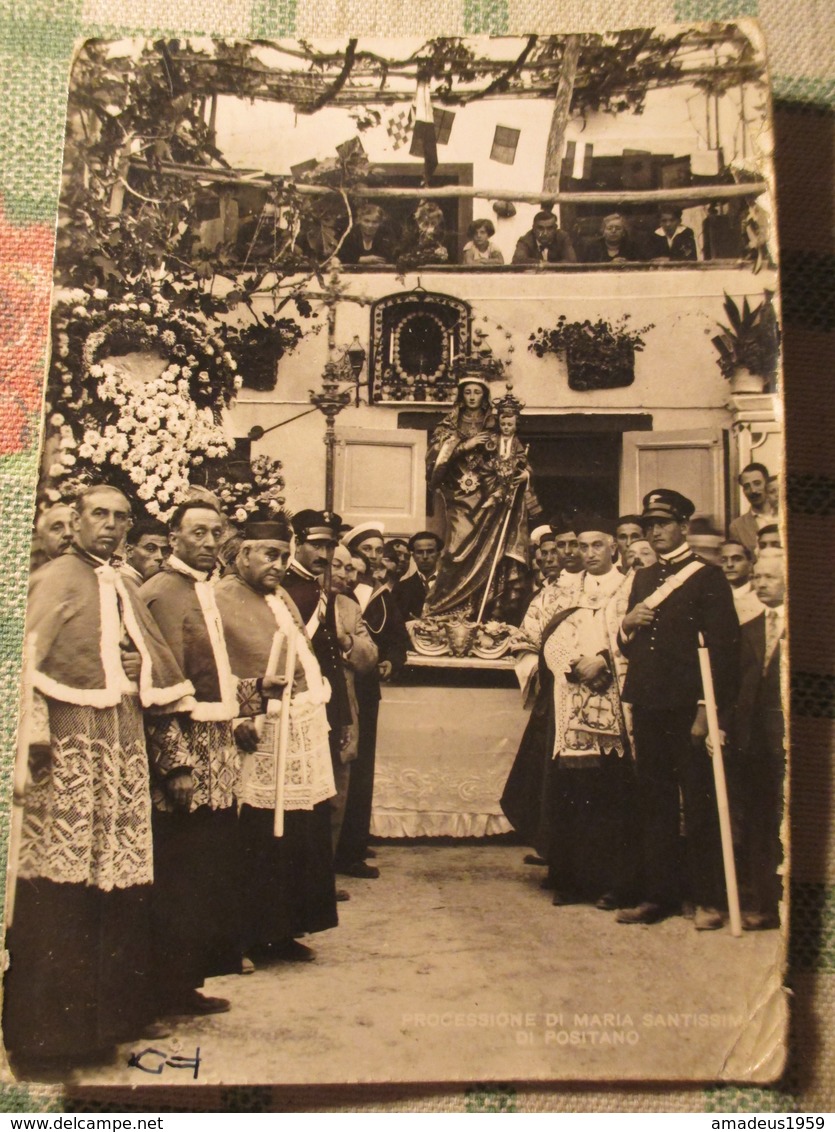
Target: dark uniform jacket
pixel 306 592
pixel 410 594
pixel 663 671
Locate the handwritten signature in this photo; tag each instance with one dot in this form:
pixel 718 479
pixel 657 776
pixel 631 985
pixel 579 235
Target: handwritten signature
pixel 155 1061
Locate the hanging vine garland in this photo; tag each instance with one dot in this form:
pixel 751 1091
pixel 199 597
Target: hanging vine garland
pixel 139 428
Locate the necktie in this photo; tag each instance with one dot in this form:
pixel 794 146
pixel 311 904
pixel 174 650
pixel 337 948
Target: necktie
pixel 772 635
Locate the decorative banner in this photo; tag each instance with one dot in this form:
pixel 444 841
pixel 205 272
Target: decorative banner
pixel 505 141
pixel 443 125
pixel 423 136
pixel 304 167
pixel 577 160
pixel 353 147
pixel 399 128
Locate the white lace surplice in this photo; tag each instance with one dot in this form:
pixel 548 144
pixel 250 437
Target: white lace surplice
pixel 308 776
pixel 88 811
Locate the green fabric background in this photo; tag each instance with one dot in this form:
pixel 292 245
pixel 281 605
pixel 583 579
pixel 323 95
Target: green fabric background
pixel 36 45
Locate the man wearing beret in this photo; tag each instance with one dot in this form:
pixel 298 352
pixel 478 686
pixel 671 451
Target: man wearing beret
pixel 196 917
pixel 287 882
pixel 671 603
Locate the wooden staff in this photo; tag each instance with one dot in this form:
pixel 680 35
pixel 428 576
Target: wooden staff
pixel 721 789
pixel 281 737
pixel 500 548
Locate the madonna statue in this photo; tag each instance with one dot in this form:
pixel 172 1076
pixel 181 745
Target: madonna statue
pixel 483 475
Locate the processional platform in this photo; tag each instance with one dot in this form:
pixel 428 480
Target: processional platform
pixel 448 732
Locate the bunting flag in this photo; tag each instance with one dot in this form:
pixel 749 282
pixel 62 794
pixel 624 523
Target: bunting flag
pixel 577 161
pixel 353 147
pixel 443 120
pixel 423 135
pixel 399 127
pixel 505 141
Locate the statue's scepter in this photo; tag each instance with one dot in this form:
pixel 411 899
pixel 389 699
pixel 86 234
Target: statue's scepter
pixel 497 557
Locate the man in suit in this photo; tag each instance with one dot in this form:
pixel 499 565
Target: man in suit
pixel 737 561
pixel 357 655
pixel 753 479
pixel 759 739
pixel 671 603
pixel 545 242
pixel 410 593
pixel 382 619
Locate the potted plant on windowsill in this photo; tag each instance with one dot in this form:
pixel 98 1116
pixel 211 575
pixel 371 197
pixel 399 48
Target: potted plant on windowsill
pixel 748 346
pixel 598 355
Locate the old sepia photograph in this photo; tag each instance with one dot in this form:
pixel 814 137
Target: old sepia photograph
pixel 402 696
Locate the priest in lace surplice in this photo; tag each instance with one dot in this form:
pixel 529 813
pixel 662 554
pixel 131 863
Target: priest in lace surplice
pixel 79 945
pixel 288 882
pixel 196 921
pixel 589 790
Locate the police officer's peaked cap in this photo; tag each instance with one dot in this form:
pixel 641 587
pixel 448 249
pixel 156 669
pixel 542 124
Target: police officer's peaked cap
pixel 316 526
pixel 664 503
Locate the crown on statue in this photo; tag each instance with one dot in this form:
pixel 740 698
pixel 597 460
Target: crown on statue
pixel 483 366
pixel 509 403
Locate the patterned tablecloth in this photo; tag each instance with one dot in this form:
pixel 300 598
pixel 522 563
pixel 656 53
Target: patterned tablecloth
pixel 36 43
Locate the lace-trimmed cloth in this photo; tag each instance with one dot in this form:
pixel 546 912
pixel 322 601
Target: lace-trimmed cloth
pixel 87 818
pixel 250 621
pixel 308 775
pixel 588 724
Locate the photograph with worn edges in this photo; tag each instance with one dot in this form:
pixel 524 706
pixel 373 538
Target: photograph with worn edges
pixel 402 695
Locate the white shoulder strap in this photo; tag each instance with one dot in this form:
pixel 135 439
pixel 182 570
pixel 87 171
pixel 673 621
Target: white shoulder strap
pixel 672 584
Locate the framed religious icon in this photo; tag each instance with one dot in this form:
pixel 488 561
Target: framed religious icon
pixel 402 696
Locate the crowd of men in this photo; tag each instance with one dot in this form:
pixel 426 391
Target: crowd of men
pixel 200 716
pixel 613 784
pixel 172 671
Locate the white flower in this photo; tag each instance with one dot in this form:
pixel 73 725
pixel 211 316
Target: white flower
pixel 67 459
pixel 56 420
pixel 152 507
pixel 100 294
pixel 145 308
pixel 238 381
pixel 241 515
pixel 85 451
pixel 116 458
pixel 97 371
pixel 56 470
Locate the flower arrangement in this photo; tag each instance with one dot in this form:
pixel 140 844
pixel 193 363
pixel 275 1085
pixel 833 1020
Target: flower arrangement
pixel 598 355
pixel 259 494
pixel 143 435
